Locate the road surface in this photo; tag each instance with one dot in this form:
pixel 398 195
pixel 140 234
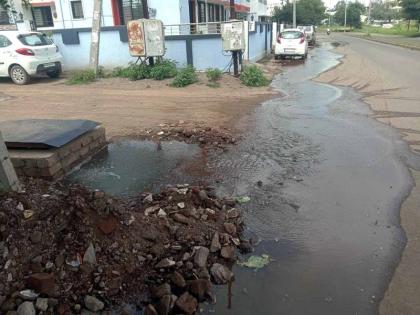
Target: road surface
pixel 389 79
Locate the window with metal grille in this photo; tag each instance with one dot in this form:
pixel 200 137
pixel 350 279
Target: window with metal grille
pixel 4 17
pixel 130 10
pixel 77 9
pixel 43 16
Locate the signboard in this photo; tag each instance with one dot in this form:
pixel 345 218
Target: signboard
pixel 155 38
pixel 136 43
pixel 233 36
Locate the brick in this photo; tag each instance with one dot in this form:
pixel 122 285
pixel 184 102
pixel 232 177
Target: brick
pixel 17 162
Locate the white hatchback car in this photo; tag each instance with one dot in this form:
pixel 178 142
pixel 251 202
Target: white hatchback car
pixel 25 54
pixel 291 42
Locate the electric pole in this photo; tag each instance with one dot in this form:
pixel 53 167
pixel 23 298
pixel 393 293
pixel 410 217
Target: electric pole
pixel 96 35
pixel 294 13
pixel 345 15
pixel 235 52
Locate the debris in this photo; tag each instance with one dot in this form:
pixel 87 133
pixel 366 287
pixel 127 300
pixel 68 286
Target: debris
pixel 178 280
pixel 165 263
pixel 230 228
pixel 161 213
pixel 90 255
pixel 28 214
pixel 181 205
pixel 187 303
pixel 200 288
pixel 93 304
pixel 201 255
pixel 228 252
pixel 242 199
pixel 256 262
pixel 42 304
pixel 220 273
pixel 26 308
pixel 215 243
pixel 28 295
pixel 151 210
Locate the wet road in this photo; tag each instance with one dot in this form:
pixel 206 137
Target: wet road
pixel 328 209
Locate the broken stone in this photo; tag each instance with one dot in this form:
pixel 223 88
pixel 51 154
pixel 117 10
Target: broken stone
pixel 159 291
pixel 93 304
pixel 164 305
pixel 150 310
pixel 200 288
pixel 215 243
pixel 90 255
pixel 151 210
pixel 41 304
pixel 220 273
pixel 148 198
pixel 228 252
pixel 109 225
pixel 161 213
pixel 28 295
pixel 203 195
pixel 181 218
pixel 178 280
pixel 181 205
pixel 201 255
pixel 233 213
pixel 187 303
pixel 36 237
pixel 165 263
pixel 26 308
pixel 230 228
pixel 27 214
pixel 43 283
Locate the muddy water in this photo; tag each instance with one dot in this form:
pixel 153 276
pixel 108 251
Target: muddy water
pixel 328 210
pixel 128 167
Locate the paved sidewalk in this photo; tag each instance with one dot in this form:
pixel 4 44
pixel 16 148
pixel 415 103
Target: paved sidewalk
pixel 402 41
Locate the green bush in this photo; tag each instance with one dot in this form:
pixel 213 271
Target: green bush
pixel 185 76
pixel 82 77
pixel 253 76
pixel 213 74
pixel 163 69
pixel 138 72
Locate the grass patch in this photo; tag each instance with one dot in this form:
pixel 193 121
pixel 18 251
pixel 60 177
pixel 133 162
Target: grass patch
pixel 184 77
pixel 82 77
pixel 398 29
pixel 163 70
pixel 253 76
pixel 213 74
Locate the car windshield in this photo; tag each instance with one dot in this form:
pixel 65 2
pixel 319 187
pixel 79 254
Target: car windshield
pixel 291 35
pixel 308 28
pixel 34 39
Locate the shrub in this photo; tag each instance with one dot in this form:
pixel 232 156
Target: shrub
pixel 137 72
pixel 82 77
pixel 163 69
pixel 213 74
pixel 253 76
pixel 185 76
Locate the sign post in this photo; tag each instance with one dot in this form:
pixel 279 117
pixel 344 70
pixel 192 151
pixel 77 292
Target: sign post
pixel 8 178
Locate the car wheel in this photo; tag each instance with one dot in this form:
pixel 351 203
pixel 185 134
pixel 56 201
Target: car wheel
pixel 19 75
pixel 53 74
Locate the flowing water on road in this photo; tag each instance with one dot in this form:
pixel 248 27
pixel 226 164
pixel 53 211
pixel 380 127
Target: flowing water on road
pixel 325 181
pixel 328 208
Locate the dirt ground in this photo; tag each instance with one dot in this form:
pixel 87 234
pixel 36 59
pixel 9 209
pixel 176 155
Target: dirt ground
pixel 125 107
pixel 393 98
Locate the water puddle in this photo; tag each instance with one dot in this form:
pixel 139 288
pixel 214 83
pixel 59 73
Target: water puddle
pixel 128 167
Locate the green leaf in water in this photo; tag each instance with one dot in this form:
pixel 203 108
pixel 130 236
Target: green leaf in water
pixel 243 199
pixel 256 262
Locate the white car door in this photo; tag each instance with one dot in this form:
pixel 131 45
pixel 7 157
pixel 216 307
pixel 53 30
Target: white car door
pixel 5 51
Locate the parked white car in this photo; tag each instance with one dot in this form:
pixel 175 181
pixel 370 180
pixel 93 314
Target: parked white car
pixel 310 32
pixel 291 42
pixel 25 54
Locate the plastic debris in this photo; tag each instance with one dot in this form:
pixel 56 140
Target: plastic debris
pixel 27 214
pixel 242 199
pixel 256 262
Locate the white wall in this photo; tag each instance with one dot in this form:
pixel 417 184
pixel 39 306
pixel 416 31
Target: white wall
pixel 169 11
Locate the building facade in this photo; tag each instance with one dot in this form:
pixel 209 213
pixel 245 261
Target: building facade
pixel 68 14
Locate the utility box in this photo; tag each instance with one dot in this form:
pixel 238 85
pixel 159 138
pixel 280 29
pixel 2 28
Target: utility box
pixel 233 36
pixel 146 38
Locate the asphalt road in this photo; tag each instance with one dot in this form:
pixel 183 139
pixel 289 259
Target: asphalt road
pixel 388 77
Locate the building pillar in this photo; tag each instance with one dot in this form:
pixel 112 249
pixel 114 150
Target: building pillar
pixel 207 11
pixel 196 11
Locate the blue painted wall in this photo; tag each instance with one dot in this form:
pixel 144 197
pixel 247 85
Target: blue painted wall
pixel 206 51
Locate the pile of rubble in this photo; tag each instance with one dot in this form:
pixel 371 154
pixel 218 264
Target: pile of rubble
pixel 214 137
pixel 67 250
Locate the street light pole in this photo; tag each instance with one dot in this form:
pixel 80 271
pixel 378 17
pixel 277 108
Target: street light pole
pixel 294 13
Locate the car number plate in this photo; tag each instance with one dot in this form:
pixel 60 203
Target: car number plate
pixel 289 50
pixel 49 65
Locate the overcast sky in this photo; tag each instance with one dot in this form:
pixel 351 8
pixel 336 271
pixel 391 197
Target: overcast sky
pixel 328 3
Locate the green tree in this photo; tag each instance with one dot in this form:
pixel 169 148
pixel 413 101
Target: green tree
pixel 354 11
pixel 411 11
pixel 381 10
pixel 308 12
pixel 4 4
